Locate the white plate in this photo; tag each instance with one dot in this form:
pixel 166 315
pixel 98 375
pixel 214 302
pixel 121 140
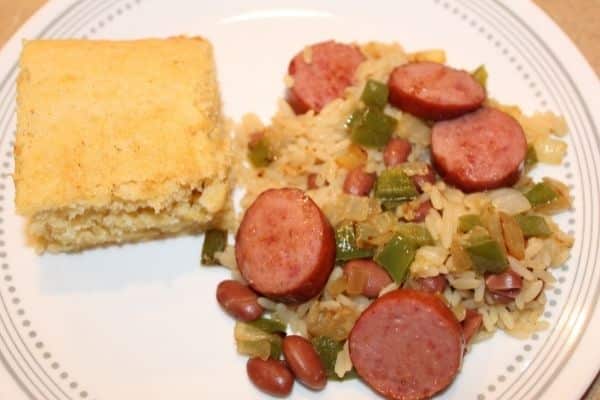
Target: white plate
pixel 141 321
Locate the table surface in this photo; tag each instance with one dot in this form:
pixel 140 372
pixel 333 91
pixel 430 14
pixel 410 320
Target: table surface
pixel 578 18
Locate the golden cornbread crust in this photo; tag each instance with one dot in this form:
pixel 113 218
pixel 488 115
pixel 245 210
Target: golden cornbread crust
pixel 118 140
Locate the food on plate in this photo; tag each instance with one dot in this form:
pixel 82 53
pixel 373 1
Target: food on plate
pixel 383 240
pixel 479 151
pixel 296 268
pixel 431 90
pixel 118 141
pixel 407 345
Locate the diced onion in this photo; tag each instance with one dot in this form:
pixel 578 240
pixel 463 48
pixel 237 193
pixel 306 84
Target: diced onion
pixel 509 200
pixel 551 151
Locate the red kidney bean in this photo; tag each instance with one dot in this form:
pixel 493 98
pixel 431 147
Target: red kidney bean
pixel 396 152
pixel 304 362
pixel 239 300
pixel 503 296
pixel 270 376
pixel 377 277
pixel 434 284
pixel 428 177
pixel 422 211
pixel 358 182
pixel 505 281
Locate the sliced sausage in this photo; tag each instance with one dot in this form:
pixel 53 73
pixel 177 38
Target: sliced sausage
pixel 285 247
pixel 270 376
pixel 407 345
pixel 396 152
pixel 304 362
pixel 321 73
pixel 358 182
pixel 471 324
pixel 376 277
pixel 434 284
pixel 238 300
pixel 479 151
pixel 434 91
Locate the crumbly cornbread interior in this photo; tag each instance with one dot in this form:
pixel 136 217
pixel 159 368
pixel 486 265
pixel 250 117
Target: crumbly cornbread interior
pixel 118 141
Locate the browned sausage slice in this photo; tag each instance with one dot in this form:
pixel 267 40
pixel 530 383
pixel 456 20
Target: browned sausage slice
pixel 434 91
pixel 479 151
pixel 407 345
pixel 285 247
pixel 323 75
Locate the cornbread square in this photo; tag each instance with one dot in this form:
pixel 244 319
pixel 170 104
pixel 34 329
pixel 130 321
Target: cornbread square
pixel 118 141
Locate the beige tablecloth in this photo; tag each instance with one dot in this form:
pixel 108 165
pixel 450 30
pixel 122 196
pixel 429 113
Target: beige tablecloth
pixel 578 18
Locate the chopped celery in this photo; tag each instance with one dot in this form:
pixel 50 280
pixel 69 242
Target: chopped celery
pixel 214 240
pixel 480 75
pixel 393 187
pixel 531 157
pixel 396 257
pixel 346 246
pixel 533 225
pixel 487 256
pixel 268 325
pixel 468 222
pixel 371 128
pixel 416 234
pixel 541 194
pixel 375 94
pixel 260 153
pixel 327 349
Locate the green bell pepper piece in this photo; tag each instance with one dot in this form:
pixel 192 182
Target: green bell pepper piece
pixel 541 194
pixel 530 157
pixel 393 187
pixel 346 246
pixel 533 225
pixel 468 222
pixel 214 240
pixel 375 94
pixel 268 325
pixel 487 256
pixel 416 234
pixel 371 127
pixel 395 257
